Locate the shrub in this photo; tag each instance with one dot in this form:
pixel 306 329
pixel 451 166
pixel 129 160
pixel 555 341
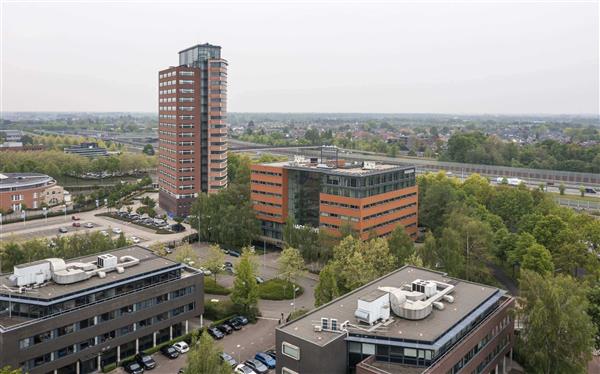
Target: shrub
pixel 109 368
pixel 218 311
pixel 278 289
pixel 212 287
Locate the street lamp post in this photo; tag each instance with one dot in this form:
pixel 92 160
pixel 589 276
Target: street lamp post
pixel 45 214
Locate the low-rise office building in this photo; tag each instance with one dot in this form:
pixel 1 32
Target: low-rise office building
pixel 89 149
pixel 81 315
pixel 328 193
pixel 31 190
pixel 411 321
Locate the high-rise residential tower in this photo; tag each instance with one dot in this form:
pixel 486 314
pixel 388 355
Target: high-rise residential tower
pixel 192 132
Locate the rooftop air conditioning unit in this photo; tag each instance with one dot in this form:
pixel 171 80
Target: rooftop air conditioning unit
pixel 318 328
pixel 107 261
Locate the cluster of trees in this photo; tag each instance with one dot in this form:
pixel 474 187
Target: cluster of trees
pixel 473 223
pixel 114 194
pixel 226 217
pixel 58 164
pixel 356 262
pixel 476 147
pixel 59 142
pixel 13 253
pixel 316 137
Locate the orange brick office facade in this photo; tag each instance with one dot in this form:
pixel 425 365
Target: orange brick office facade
pixel 192 132
pixel 372 201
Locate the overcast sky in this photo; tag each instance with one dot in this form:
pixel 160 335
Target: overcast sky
pixel 399 57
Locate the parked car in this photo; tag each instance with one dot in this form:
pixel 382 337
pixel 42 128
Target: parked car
pixel 267 360
pixel 234 253
pixel 228 264
pixel 205 271
pixel 241 319
pixel 235 324
pixel 590 190
pixel 133 368
pixel 272 353
pixel 104 233
pixel 181 347
pixel 257 366
pixel 75 218
pixel 135 239
pixel 76 224
pixel 259 280
pixel 227 358
pixel 146 361
pixel 88 225
pixel 215 333
pixel 63 230
pixel 230 270
pixel 170 352
pixel 225 328
pixel 168 250
pixel 243 369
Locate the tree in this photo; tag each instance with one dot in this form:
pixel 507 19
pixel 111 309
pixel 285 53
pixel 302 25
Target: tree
pixel 9 370
pixel 327 288
pixel 582 191
pixel 291 264
pixel 205 358
pixel 159 248
pixel 215 259
pixel 537 258
pixel 356 262
pixel 148 149
pixel 129 209
pixel 558 334
pixel 414 260
pixel 562 188
pixel 594 310
pixel 400 244
pixel 186 254
pixel 245 288
pixel 121 241
pixel 428 252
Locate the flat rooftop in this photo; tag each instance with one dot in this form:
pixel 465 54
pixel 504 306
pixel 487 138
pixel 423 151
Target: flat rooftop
pixel 149 262
pixel 22 179
pixel 349 169
pixel 468 297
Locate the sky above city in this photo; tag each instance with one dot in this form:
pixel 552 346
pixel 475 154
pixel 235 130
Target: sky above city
pixel 378 57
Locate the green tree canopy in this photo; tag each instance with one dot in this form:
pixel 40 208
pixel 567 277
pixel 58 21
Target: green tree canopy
pixel 558 334
pixel 401 245
pixel 245 288
pixel 204 358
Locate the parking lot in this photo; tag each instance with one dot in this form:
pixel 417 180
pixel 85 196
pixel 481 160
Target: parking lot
pixel 241 345
pixel 49 228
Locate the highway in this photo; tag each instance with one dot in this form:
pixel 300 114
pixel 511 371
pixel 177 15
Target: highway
pixel 572 180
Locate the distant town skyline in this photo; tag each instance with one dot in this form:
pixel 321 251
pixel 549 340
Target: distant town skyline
pixel 386 57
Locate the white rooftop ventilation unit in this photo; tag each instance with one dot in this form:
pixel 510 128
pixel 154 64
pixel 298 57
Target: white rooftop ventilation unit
pixel 38 272
pixel 373 307
pixel 369 165
pixel 418 300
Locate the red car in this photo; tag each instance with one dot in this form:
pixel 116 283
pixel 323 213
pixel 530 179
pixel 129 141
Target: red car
pixel 75 218
pixel 76 224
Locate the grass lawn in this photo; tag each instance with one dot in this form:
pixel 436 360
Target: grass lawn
pixel 214 288
pixel 278 289
pixel 588 197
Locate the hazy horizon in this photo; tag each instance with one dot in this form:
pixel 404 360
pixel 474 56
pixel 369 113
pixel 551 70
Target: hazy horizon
pixel 463 58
